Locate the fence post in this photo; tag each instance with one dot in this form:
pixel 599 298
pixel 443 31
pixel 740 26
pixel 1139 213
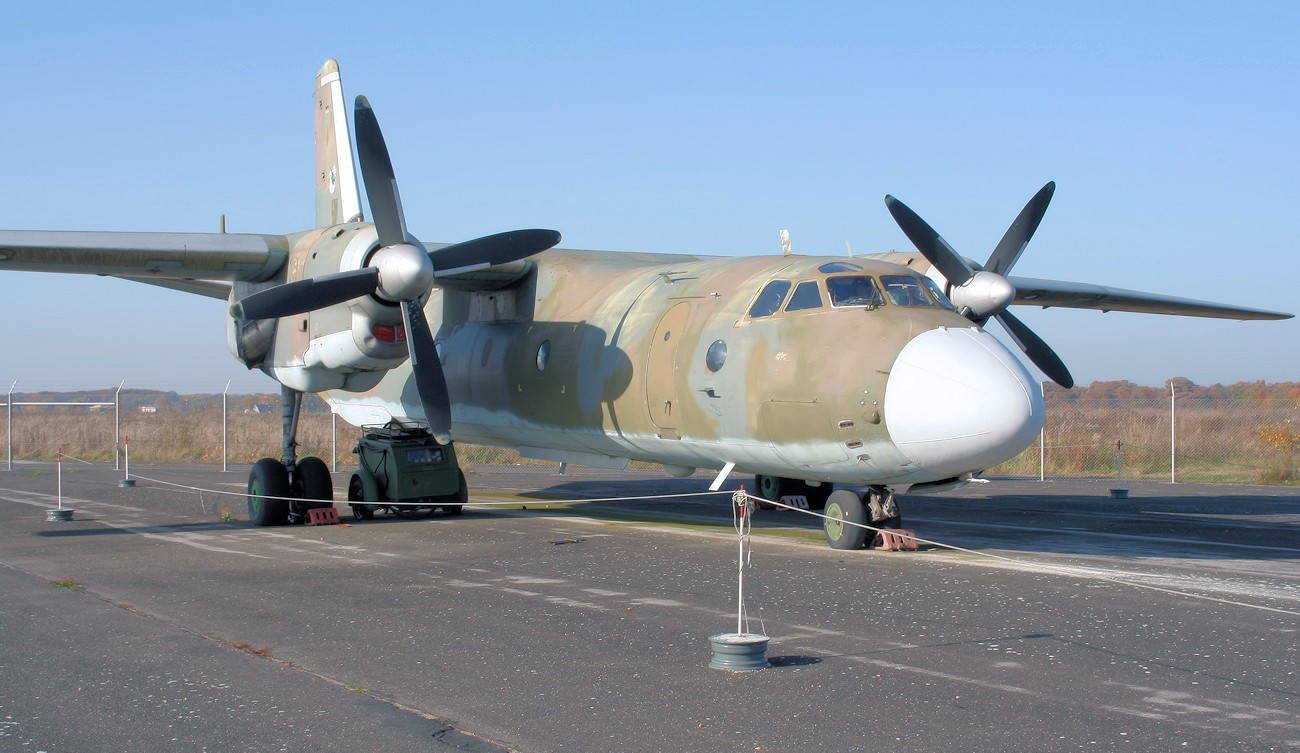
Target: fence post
pixel 117 427
pixel 224 428
pixel 9 403
pixel 1173 435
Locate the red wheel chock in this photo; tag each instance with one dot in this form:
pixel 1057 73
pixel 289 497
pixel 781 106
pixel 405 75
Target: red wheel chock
pixel 324 516
pixel 895 540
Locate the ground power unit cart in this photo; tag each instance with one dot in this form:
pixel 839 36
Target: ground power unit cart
pixel 404 471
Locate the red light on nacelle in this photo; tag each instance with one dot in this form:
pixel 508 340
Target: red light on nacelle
pixel 389 333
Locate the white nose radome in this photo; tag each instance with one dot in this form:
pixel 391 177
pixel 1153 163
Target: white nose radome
pixel 958 401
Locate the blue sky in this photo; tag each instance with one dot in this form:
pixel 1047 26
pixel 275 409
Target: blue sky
pixel 1170 129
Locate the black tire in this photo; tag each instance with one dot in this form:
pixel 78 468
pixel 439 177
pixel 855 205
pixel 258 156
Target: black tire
pixel 462 496
pixel 313 480
pixel 268 478
pixel 357 493
pixel 842 508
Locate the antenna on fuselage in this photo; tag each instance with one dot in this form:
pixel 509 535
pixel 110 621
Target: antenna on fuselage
pixel 785 242
pixel 848 247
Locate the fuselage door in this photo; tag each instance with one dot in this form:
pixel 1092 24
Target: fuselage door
pixel 661 368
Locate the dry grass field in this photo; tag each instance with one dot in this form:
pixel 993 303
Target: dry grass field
pixel 1250 435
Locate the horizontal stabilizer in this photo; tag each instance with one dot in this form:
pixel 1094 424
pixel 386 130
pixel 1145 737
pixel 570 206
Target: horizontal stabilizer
pixel 1082 295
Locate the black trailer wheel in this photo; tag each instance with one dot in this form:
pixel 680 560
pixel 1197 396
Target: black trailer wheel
pixel 844 508
pixel 462 496
pixel 268 478
pixel 357 493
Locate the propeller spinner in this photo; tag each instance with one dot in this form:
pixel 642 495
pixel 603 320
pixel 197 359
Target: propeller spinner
pixel 401 271
pixel 981 294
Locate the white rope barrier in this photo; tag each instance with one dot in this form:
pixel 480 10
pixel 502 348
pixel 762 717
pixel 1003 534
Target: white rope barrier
pixel 1039 564
pixel 1059 570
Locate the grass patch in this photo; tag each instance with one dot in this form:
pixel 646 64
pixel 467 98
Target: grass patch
pixel 72 584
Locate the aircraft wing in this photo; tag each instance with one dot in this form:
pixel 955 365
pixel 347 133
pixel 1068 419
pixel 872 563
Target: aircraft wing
pixel 202 263
pixel 1082 295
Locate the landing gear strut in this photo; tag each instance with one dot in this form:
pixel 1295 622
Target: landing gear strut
pixel 847 511
pixel 284 491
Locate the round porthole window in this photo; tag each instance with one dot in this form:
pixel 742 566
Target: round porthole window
pixel 716 356
pixel 543 354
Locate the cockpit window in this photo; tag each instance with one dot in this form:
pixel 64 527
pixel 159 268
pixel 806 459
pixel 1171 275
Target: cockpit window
pixel 937 294
pixel 853 291
pixel 769 299
pixel 806 296
pixel 906 290
pixel 833 267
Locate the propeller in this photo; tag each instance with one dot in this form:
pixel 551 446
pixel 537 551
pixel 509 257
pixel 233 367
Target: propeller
pixel 400 271
pixel 985 293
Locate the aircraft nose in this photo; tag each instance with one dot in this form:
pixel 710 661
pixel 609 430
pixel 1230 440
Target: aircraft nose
pixel 958 401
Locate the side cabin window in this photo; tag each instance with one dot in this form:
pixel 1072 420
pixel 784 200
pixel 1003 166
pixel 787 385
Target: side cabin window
pixel 806 296
pixel 854 291
pixel 769 299
pixel 906 290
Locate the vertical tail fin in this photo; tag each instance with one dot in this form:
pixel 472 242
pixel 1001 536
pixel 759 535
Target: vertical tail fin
pixel 337 198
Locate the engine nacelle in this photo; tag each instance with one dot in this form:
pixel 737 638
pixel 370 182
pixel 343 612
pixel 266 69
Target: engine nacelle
pixel 349 346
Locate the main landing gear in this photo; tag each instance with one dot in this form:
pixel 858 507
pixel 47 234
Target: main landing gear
pixel 283 491
pixel 846 510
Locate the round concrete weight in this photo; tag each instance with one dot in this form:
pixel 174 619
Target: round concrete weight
pixel 61 515
pixel 739 652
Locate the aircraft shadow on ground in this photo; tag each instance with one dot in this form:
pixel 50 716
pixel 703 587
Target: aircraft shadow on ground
pixel 1241 526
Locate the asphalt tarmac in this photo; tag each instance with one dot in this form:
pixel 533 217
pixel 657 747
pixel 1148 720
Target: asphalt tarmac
pixel 1069 621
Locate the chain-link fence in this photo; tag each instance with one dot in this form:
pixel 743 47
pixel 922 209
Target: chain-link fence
pixel 1231 439
pixel 1203 438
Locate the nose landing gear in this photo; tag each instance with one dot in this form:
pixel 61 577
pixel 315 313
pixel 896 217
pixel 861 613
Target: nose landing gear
pixel 847 511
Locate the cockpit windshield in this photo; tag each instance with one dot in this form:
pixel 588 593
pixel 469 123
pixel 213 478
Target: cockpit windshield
pixel 907 290
pixel 854 291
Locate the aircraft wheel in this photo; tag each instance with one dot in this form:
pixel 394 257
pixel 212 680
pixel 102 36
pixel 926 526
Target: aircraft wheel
pixel 773 488
pixel 313 481
pixel 268 478
pixel 462 496
pixel 842 508
pixel 357 493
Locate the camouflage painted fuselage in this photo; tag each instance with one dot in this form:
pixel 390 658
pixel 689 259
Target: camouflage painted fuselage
pixel 599 357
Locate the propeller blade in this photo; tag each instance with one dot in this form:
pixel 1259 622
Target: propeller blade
pixel 306 295
pixel 1022 229
pixel 491 249
pixel 430 382
pixel 1038 351
pixel 377 174
pixel 931 245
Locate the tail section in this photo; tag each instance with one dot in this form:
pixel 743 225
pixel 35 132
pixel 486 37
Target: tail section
pixel 337 198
